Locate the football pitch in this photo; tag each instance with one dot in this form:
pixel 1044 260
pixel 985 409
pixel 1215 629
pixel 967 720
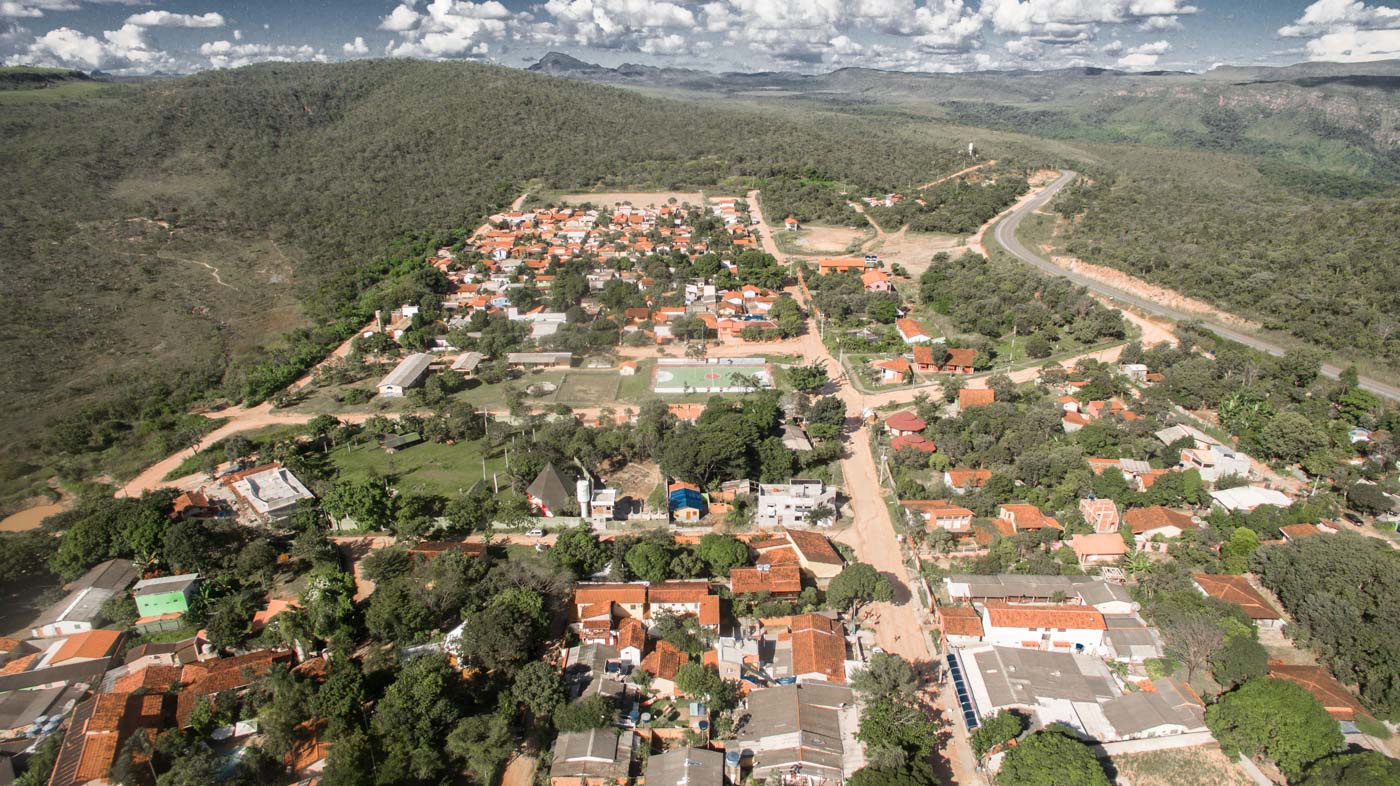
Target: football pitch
pixel 714 377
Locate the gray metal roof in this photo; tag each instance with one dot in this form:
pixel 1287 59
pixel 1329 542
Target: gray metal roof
pixel 19 708
pixel 164 584
pixel 408 370
pixel 1091 590
pixel 1015 676
pixel 468 361
pixel 1166 705
pixel 586 672
pixel 795 723
pixel 80 605
pixel 686 767
pixel 114 574
pixel 596 753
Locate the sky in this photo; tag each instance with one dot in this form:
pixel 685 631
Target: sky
pixel 133 37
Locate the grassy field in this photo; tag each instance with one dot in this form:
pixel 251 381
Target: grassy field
pixel 1200 766
pixel 588 388
pixel 429 468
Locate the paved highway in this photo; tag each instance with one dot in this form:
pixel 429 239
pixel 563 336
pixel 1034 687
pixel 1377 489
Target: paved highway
pixel 1005 234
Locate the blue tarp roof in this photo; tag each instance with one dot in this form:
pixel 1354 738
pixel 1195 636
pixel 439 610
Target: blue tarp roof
pixel 686 498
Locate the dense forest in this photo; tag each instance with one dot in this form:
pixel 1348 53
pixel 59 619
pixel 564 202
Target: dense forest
pixel 157 238
pixel 1321 269
pixel 957 206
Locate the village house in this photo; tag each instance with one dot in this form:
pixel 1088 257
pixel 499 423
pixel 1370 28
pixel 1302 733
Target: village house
pixel 1238 590
pixel 1027 518
pixel 877 281
pixel 796 733
pixel 772 580
pixel 1099 550
pixel 1157 524
pixel 911 331
pixel 1246 498
pixel 80 609
pixel 548 494
pixel 963 480
pixel 939 514
pixel 271 491
pixel 406 374
pixel 826 266
pixel 597 757
pixel 811 551
pixel 1100 514
pixel 162 601
pixel 892 371
pixel 1110 599
pixel 791 504
pixel 904 423
pixel 685 502
pixel 1060 628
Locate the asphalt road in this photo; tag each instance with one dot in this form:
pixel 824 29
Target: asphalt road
pixel 1005 233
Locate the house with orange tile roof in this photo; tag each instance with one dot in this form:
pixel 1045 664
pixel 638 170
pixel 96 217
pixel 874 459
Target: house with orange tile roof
pixel 1238 590
pixel 893 370
pixel 826 266
pixel 970 398
pixel 86 646
pixel 911 331
pixel 939 514
pixel 1296 532
pixel 815 554
pixel 98 729
pixel 902 423
pixel 962 479
pixel 916 442
pixel 1149 523
pixel 1101 550
pixel 818 645
pixel 631 640
pixel 662 663
pixel 877 281
pixel 1027 518
pixel 1317 680
pixel 1058 628
pixel 960 626
pixel 775 580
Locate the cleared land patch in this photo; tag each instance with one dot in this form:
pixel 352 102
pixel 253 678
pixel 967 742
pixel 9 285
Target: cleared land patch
pixel 636 198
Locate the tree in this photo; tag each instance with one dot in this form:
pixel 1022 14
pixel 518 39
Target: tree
pixel 366 501
pixel 578 550
pixel 699 681
pixel 1290 436
pixel 886 676
pixel 649 561
pixel 539 688
pixel 915 773
pixel 897 724
pixel 1241 659
pixel 1192 640
pixel 1051 757
pixel 997 730
pixel 810 378
pixel 1236 551
pixel 1363 768
pixel 1368 498
pixel 1277 719
pixel 483 743
pixel 856 585
pixel 384 565
pixel 721 552
pixel 592 712
pixel 341 698
pixel 418 710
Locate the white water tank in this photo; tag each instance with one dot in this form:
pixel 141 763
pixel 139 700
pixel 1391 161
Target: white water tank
pixel 584 497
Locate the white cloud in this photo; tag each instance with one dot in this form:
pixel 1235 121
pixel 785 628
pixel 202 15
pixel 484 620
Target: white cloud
pixel 450 28
pixel 227 54
pixel 1328 16
pixel 123 49
pixel 1076 20
pixel 1154 48
pixel 30 9
pixel 356 47
pixel 1157 24
pixel 1354 46
pixel 168 19
pixel 1113 47
pixel 238 35
pixel 637 25
pixel 1347 31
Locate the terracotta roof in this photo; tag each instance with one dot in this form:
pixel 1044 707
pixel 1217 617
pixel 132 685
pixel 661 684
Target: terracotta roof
pixel 910 327
pixel 211 677
pixel 976 397
pixel 905 421
pixel 155 678
pixel 1030 517
pixel 1296 531
pixel 898 365
pixel 89 645
pixel 935 508
pixel 1319 682
pixel 960 356
pixel 923 355
pixel 631 633
pixel 814 547
pixel 1005 615
pixel 1108 544
pixel 432 548
pixel 678 592
pixel 913 442
pixel 1144 519
pixel 818 647
pixel 664 661
pixel 968 478
pixel 960 621
pixel 709 610
pixel 786 555
pixel 776 579
pixel 629 593
pixel 1236 590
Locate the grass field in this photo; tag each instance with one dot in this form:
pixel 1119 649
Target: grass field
pixel 588 388
pixel 1199 766
pixel 429 468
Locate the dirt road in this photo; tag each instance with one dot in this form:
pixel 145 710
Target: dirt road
pixel 765 234
pixel 959 173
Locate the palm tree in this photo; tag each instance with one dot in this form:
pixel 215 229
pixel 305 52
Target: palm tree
pixel 1135 562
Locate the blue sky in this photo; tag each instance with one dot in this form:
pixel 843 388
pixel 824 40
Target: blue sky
pixel 144 36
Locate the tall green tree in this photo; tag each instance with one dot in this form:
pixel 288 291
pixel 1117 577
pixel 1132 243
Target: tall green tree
pixel 1051 757
pixel 1275 719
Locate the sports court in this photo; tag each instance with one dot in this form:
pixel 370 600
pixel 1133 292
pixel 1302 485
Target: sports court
pixel 709 376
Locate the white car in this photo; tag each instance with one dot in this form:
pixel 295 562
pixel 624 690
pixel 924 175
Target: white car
pixel 535 533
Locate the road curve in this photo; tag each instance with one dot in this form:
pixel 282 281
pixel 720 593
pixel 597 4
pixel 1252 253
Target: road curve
pixel 1005 234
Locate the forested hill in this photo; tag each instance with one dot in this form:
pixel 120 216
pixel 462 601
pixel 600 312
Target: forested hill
pixel 153 235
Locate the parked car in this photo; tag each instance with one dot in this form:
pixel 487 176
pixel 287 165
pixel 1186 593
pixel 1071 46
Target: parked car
pixel 1353 518
pixel 535 533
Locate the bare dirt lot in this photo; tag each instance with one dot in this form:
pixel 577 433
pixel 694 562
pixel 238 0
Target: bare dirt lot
pixel 1204 765
pixel 636 198
pixel 826 240
pixel 915 250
